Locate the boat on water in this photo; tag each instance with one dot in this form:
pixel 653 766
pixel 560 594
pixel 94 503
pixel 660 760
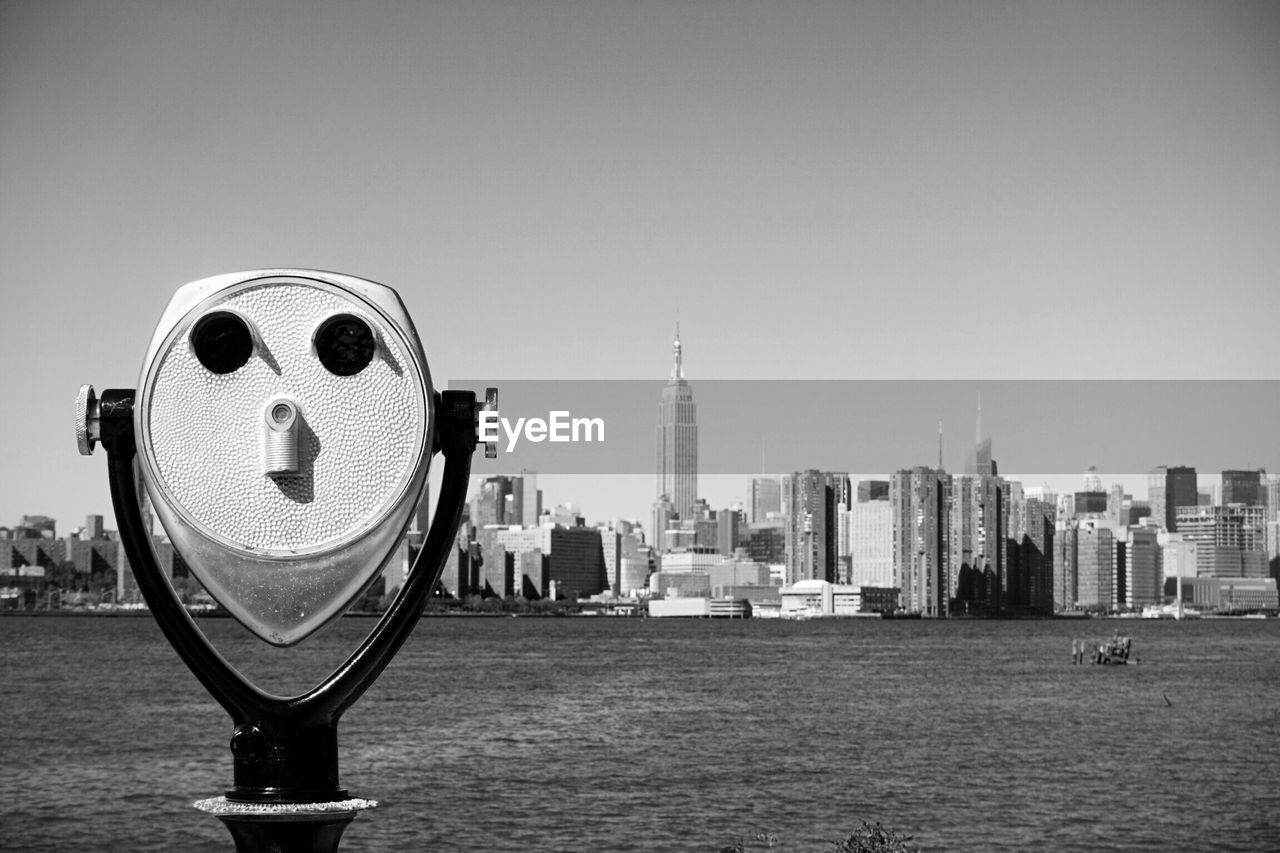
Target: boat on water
pixel 1113 652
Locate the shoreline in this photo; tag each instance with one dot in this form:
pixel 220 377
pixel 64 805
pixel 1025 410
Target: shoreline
pixel 130 613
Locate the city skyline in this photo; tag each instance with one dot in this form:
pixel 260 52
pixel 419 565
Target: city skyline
pixel 881 191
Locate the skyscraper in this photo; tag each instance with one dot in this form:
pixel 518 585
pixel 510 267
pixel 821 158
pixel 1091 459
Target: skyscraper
pixel 977 541
pixel 1230 540
pixel 921 517
pixel 660 520
pixel 1035 557
pixel 766 497
pixel 1244 487
pixel 870 543
pixel 1170 488
pixel 979 461
pixel 1095 563
pixel 526 500
pixel 1065 566
pixel 812 523
pixel 678 440
pixel 1145 584
pixel 489 503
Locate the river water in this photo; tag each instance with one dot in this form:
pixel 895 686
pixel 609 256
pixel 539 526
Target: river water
pixel 566 734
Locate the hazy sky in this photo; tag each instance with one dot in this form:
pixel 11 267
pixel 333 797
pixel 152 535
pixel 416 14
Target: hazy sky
pixel 817 190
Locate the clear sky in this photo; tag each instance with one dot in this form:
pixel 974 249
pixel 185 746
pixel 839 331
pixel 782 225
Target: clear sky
pixel 816 190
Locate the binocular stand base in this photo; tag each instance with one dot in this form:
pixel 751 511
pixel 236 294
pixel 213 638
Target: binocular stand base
pixel 285 827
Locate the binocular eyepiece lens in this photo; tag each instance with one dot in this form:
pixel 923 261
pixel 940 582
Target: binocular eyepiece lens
pixel 222 342
pixel 345 344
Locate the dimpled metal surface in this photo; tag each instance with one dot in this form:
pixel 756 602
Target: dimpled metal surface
pixel 359 438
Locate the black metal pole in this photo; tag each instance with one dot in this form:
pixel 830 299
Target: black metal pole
pixel 285 748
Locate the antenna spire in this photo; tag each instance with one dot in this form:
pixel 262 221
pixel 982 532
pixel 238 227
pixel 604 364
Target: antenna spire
pixel 677 369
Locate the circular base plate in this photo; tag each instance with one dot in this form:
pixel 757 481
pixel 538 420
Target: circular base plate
pixel 222 807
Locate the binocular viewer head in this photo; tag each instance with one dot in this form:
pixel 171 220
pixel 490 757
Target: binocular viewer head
pixel 284 427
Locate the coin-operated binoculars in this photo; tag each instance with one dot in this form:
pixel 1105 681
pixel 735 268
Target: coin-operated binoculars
pixel 283 427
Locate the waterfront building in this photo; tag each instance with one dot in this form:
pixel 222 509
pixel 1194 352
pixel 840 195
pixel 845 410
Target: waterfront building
pixel 496 573
pixel 1036 549
pixel 171 564
pixel 677 439
pixel 977 542
pixel 492 566
pixel 620 540
pixel 1235 594
pixel 812 498
pixel 89 556
pixel 1231 540
pixel 634 576
pixel 1273 548
pixel 809 598
pixel 26 563
pixel 1144 581
pixel 844 562
pixel 530 575
pixel 1015 501
pixel 611 548
pixel 870 543
pixel 920 500
pixel 575 561
pixel 1095 564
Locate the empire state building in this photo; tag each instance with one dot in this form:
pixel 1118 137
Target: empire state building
pixel 678 440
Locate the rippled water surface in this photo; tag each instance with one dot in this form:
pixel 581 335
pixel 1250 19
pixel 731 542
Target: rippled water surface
pixel 621 734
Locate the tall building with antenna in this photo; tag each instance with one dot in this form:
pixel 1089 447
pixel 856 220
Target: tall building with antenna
pixel 979 460
pixel 678 440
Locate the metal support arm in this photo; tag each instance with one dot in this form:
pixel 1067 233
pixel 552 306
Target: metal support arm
pixel 286 748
